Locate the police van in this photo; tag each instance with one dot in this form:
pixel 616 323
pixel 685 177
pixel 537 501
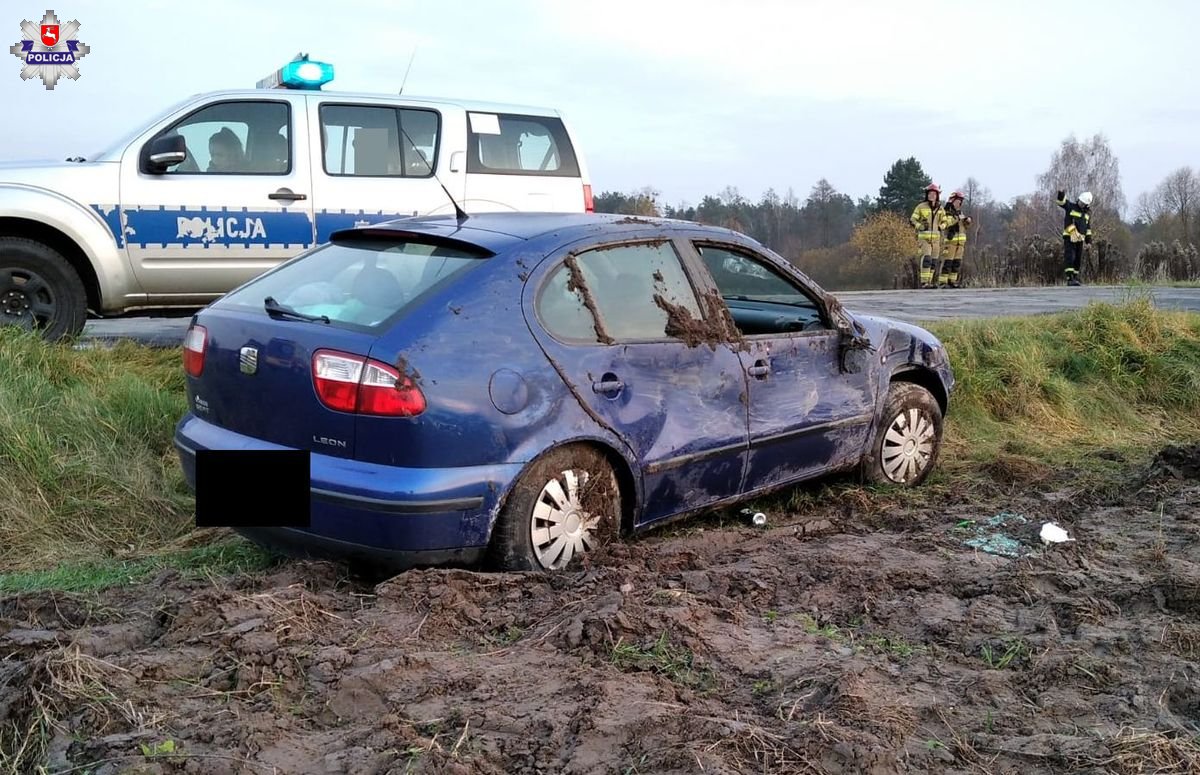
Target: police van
pixel 225 185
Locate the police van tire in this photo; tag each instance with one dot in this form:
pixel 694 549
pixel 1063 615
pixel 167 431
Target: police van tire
pixel 908 437
pixel 39 289
pixel 564 504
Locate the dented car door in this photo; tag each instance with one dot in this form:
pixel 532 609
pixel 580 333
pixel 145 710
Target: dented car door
pixel 623 326
pixel 807 414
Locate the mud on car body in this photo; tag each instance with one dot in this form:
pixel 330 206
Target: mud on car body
pixel 527 386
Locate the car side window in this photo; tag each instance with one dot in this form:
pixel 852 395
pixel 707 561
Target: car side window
pixel 616 294
pixel 236 138
pixel 760 299
pixel 374 141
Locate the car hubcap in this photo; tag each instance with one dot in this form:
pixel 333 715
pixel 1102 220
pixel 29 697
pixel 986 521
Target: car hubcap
pixel 561 527
pixel 25 299
pixel 908 446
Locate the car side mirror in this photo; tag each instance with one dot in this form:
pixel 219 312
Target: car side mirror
pixel 852 341
pixel 165 151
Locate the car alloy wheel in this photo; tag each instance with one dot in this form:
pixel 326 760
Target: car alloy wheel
pixel 566 503
pixel 908 445
pixel 561 526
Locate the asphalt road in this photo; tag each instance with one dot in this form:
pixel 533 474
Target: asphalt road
pixel 912 306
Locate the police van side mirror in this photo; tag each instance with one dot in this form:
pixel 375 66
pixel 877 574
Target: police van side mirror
pixel 163 152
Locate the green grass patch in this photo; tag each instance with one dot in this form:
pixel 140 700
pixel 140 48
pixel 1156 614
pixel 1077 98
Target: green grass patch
pixel 87 467
pixel 662 658
pixel 1056 389
pixel 853 635
pixel 224 558
pixel 1007 654
pixel 830 631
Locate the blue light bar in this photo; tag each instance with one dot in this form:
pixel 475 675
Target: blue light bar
pixel 300 73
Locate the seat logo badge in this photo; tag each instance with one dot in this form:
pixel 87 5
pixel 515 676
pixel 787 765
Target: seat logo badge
pixel 248 359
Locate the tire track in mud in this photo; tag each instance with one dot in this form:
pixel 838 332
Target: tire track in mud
pixel 818 645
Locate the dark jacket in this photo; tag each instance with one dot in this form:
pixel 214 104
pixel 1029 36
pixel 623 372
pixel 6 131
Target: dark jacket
pixel 1077 217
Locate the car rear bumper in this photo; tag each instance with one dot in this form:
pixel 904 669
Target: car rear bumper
pixel 359 508
pixel 303 544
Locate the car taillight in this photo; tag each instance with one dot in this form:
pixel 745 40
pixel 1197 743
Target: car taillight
pixel 352 383
pixel 195 342
pixel 589 204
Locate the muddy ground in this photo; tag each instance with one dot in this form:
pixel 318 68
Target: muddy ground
pixel 862 638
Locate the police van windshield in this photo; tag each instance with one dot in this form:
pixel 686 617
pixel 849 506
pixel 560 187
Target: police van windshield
pixel 360 285
pixel 116 147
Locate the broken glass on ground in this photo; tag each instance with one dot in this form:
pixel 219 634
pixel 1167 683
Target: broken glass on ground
pixel 995 535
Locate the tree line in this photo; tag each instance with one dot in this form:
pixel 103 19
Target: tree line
pixel 844 243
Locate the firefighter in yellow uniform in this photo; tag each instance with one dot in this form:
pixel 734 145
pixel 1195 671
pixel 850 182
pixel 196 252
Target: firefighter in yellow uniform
pixel 927 219
pixel 954 243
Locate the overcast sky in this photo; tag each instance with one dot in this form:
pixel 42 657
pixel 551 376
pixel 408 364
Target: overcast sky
pixel 688 97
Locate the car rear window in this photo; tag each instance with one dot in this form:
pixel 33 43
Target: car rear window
pixel 507 144
pixel 362 284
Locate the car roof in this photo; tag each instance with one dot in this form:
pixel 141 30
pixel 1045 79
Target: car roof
pixel 496 232
pixel 480 105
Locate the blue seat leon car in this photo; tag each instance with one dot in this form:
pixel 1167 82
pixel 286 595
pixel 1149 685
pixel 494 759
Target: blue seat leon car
pixel 524 387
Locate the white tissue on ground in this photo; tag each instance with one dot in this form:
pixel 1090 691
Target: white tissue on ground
pixel 1053 534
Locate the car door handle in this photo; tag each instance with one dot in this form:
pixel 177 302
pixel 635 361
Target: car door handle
pixel 760 369
pixel 612 386
pixel 287 195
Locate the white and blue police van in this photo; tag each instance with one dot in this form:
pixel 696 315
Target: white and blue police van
pixel 225 185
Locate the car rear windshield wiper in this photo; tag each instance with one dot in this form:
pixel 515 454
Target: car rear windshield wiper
pixel 277 310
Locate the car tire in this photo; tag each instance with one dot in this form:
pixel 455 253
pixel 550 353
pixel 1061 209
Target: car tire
pixel 908 437
pixel 40 290
pixel 566 503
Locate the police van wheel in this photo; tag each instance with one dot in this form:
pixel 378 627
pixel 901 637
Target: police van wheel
pixel 39 290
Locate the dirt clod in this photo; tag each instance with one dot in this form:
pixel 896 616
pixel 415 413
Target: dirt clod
pixel 1176 462
pixel 717 327
pixel 578 284
pixel 407 371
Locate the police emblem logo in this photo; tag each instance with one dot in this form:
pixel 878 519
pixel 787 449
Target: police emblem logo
pixel 50 50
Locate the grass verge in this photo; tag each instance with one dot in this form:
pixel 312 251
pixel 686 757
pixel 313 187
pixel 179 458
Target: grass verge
pixel 87 467
pixel 1053 391
pixel 90 484
pixel 224 558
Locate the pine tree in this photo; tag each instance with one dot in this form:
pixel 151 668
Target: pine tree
pixel 903 186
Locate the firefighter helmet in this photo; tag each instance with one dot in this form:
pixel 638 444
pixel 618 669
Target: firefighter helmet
pixel 933 187
pixel 1085 199
pixel 957 195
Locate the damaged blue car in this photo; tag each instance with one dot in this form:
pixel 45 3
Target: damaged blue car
pixel 525 387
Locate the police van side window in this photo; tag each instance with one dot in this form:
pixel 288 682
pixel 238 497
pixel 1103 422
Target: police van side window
pixel 367 141
pixel 504 144
pixel 236 138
